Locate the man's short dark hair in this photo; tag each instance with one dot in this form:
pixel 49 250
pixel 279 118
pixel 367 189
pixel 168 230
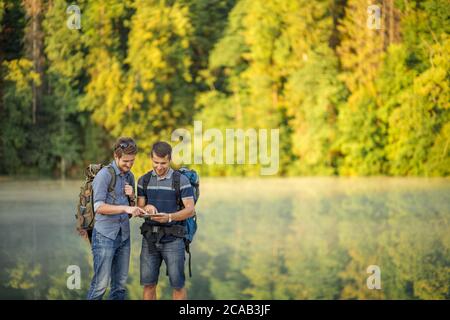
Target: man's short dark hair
pixel 125 145
pixel 161 149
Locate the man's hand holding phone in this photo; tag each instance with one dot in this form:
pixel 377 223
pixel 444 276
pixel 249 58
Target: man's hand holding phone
pixel 161 217
pixel 150 209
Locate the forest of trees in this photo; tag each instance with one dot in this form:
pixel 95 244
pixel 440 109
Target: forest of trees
pixel 348 99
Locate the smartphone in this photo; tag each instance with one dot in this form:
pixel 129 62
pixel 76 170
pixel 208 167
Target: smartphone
pixel 150 215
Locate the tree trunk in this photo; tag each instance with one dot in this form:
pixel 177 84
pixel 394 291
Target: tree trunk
pixel 34 48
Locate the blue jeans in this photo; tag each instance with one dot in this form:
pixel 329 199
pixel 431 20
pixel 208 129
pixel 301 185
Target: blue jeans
pixel 111 262
pixel 152 255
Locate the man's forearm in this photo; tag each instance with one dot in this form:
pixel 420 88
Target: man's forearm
pixel 183 214
pixel 109 209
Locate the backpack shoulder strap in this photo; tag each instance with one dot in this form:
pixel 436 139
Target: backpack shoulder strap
pixel 176 178
pixel 112 183
pixel 145 183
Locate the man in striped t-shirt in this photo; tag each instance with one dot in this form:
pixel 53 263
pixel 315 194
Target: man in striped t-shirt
pixel 163 236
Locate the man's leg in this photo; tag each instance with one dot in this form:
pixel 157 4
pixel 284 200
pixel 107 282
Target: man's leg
pixel 120 266
pixel 173 255
pixel 103 253
pixel 150 262
pixel 150 292
pixel 179 294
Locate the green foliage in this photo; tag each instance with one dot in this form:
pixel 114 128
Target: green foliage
pixel 17 109
pixel 2 10
pixel 314 102
pixel 347 99
pixel 157 95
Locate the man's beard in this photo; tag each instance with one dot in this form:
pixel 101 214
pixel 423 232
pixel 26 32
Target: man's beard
pixel 162 171
pixel 125 169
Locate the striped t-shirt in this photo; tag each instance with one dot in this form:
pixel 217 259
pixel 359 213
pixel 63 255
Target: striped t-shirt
pixel 161 194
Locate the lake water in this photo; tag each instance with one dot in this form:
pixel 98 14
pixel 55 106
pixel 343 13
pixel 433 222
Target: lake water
pixel 277 238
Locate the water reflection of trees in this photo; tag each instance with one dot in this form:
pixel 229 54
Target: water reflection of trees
pixel 319 246
pixel 290 244
pixel 40 273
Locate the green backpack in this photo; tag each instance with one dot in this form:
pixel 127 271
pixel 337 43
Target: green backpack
pixel 85 215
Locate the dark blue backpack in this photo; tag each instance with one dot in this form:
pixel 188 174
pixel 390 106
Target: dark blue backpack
pixel 191 223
